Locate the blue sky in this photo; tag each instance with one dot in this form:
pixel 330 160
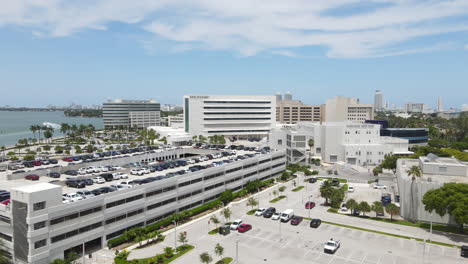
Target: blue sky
pixel 59 52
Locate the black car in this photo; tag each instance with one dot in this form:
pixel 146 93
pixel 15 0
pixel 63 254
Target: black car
pixel 356 212
pixel 269 212
pixel 312 180
pixel 71 172
pixel 4 196
pixel 335 182
pixel 53 174
pixel 315 223
pixel 18 171
pixel 106 189
pixel 464 251
pixel 75 183
pixel 88 181
pixel 96 192
pixel 53 161
pixel 107 176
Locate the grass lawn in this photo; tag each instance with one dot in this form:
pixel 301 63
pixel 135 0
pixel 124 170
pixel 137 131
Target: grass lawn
pixel 277 199
pixel 437 227
pixel 298 188
pixel 214 231
pixel 390 234
pixel 225 260
pixel 251 212
pixel 122 258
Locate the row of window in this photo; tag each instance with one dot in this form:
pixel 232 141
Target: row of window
pixel 237 102
pixel 156 205
pixel 249 165
pixel 162 190
pixel 121 231
pixel 237 113
pixel 233 180
pixel 263 161
pixel 214 186
pixel 233 170
pixel 236 107
pixel 123 216
pixel 123 201
pixel 75 215
pixel 239 130
pixel 236 118
pixel 212 176
pixel 190 182
pixel 152 220
pixel 75 232
pixel 190 205
pixel 5 236
pixel 187 195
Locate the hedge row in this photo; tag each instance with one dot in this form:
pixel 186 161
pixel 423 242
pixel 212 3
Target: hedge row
pixel 181 216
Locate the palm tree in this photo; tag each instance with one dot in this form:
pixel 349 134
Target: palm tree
pixel 226 212
pixel 377 207
pixel 413 172
pixel 205 258
pixel 64 128
pixel 351 204
pixel 392 209
pixel 219 250
pixel 364 207
pixel 33 129
pixel 215 220
pixel 311 145
pixel 252 202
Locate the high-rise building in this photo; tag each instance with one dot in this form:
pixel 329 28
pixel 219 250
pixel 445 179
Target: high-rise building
pixel 341 109
pixel 414 107
pixel 288 96
pixel 293 111
pixel 440 107
pixel 378 101
pixel 239 116
pixel 130 113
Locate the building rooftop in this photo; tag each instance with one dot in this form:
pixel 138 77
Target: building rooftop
pixel 35 187
pixel 432 158
pixel 122 101
pixel 405 164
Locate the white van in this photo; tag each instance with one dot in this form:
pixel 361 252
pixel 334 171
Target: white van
pixel 287 215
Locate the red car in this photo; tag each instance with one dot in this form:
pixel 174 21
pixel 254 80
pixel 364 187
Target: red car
pixel 68 159
pixel 309 205
pixel 244 228
pixel 37 163
pixel 32 177
pixel 6 202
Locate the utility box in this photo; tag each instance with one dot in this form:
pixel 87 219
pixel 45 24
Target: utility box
pixel 224 230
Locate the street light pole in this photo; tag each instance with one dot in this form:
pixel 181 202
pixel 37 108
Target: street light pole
pixel 175 235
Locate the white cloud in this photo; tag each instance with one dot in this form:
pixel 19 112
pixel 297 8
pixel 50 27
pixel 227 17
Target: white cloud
pixel 250 27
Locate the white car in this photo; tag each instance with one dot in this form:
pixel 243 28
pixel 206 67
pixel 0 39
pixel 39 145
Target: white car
pixel 145 170
pixel 128 184
pixel 66 200
pixel 74 197
pixel 236 224
pixel 116 167
pixel 119 175
pixel 276 216
pixel 379 186
pixel 331 246
pixel 350 189
pixel 99 180
pixel 259 211
pixel 136 172
pixel 103 169
pixel 191 161
pixel 85 194
pixel 343 208
pixel 91 170
pixel 82 171
pixel 119 187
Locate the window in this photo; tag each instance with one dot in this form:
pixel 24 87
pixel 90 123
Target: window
pixel 40 243
pixel 39 206
pixel 39 225
pixel 280 142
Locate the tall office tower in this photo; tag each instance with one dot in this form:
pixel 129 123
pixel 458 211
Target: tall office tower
pixel 288 96
pixel 378 100
pixel 341 109
pixel 131 113
pixel 439 105
pixel 239 116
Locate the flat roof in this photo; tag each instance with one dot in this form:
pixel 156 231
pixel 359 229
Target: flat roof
pixel 35 187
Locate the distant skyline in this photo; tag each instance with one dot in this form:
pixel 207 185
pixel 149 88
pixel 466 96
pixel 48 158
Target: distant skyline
pixel 84 52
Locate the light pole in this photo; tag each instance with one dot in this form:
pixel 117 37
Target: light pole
pixel 175 234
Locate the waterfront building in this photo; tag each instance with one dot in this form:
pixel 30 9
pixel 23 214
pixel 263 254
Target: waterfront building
pixel 131 113
pixel 235 116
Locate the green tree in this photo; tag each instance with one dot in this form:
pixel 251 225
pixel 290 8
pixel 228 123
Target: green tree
pixel 377 207
pixel 183 238
pixel 275 193
pixel 226 197
pixel 336 197
pixel 226 213
pixel 169 252
pixel 159 259
pixel 252 202
pixel 205 258
pixel 215 220
pixel 452 199
pixel 48 133
pixel 413 172
pixel 392 210
pixel 390 163
pixel 377 170
pixel 364 207
pixel 3 259
pixel 351 204
pixel 326 190
pixel 253 186
pixel 219 250
pixel 281 189
pixel 33 129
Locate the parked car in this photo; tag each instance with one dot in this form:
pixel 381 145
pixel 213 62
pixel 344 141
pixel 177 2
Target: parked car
pixel 71 172
pixel 269 212
pixel 129 184
pixel 276 216
pixel 74 197
pixel 244 228
pixel 32 177
pixel 343 208
pixel 331 246
pixel 464 251
pixel 350 189
pixel 235 224
pixel 88 181
pixel 6 202
pixel 75 183
pixel 309 205
pixel 259 211
pixel 99 180
pixel 287 215
pixel 335 182
pixel 136 172
pixel 314 223
pixel 380 186
pixel 85 194
pixel 53 174
pixel 296 220
pixel 313 180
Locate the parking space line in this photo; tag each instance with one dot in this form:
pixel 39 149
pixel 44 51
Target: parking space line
pixel 363 259
pixel 334 255
pixel 380 259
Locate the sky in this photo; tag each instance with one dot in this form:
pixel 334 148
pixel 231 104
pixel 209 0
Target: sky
pixel 84 52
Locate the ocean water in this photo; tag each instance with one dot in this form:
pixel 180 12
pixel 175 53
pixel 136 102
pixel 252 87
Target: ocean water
pixel 15 125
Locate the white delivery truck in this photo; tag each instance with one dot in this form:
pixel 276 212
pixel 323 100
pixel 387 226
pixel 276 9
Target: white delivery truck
pixel 287 215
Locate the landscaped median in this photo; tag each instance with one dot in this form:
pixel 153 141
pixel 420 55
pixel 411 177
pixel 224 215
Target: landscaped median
pixel 225 260
pixel 278 198
pixel 298 188
pixel 389 234
pixel 167 257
